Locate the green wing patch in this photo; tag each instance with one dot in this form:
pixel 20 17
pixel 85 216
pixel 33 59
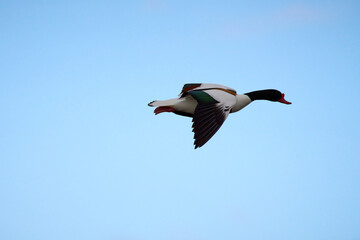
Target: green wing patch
pixel 202 97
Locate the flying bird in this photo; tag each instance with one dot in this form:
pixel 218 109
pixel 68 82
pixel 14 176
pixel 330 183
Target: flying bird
pixel 210 104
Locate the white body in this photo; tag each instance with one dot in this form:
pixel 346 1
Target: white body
pixel 188 104
pixel 208 104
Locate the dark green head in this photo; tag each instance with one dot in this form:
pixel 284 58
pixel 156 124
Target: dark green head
pixel 268 94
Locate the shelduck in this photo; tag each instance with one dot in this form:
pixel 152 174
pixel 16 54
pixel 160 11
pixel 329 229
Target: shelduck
pixel 210 104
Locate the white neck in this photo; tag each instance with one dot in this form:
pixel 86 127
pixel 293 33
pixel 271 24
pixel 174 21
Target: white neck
pixel 241 102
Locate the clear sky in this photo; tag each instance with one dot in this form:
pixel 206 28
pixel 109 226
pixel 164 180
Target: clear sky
pixel 82 156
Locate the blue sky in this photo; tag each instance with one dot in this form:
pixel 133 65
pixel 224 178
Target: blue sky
pixel 82 156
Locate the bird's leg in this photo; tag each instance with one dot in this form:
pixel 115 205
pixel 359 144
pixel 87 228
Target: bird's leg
pixel 164 109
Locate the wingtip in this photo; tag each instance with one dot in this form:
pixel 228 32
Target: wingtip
pixel 196 145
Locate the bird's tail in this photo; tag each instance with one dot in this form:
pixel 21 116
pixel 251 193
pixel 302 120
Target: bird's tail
pixel 164 106
pixel 170 102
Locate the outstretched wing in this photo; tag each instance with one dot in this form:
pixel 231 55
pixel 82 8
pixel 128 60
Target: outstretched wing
pixel 189 86
pixel 213 107
pixel 207 120
pixel 205 86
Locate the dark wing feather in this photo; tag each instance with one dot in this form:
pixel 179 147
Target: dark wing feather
pixel 207 120
pixel 188 87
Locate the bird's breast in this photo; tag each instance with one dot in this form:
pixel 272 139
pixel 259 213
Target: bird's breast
pixel 241 102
